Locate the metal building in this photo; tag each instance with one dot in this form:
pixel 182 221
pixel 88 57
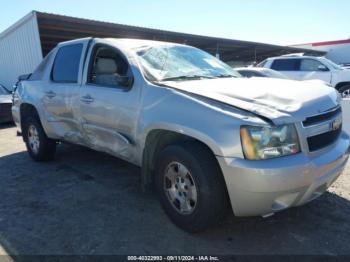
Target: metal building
pixel 24 44
pixel 338 51
pixel 20 49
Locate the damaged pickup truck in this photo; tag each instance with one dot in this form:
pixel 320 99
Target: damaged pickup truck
pixel 207 139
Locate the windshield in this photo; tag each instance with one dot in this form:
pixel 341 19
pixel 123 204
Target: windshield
pixel 173 62
pixel 3 90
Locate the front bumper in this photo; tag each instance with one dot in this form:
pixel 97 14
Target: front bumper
pixel 267 186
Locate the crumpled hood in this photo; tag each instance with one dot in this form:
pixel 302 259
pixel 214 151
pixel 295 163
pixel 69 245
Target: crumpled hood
pixel 5 99
pixel 280 100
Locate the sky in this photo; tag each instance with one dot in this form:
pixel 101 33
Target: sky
pixel 268 21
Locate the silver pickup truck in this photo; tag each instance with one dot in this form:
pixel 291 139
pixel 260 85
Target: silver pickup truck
pixel 207 139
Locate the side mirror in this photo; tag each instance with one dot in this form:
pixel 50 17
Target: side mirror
pixel 322 68
pixel 125 81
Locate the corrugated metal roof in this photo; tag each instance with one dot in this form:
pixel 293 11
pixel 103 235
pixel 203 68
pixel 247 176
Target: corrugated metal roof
pixel 55 28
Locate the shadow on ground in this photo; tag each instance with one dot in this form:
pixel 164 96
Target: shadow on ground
pixel 6 125
pixel 86 202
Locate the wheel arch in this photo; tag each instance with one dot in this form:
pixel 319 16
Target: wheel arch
pixel 156 140
pixel 26 110
pixel 341 84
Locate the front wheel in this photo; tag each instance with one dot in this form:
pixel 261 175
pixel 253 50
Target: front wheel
pixel 190 186
pixel 39 146
pixel 345 91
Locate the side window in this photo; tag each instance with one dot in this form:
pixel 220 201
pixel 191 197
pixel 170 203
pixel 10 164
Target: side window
pixel 310 65
pixel 66 65
pixel 286 64
pixel 107 67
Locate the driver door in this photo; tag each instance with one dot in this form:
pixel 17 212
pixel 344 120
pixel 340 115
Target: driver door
pixel 108 107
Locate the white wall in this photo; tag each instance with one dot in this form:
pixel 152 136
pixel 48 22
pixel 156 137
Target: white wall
pixel 338 53
pixel 346 115
pixel 20 50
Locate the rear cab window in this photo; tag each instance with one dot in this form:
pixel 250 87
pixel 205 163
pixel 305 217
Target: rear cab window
pixel 66 65
pixel 286 65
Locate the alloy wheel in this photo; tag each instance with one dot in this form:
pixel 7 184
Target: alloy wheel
pixel 33 139
pixel 346 93
pixel 180 188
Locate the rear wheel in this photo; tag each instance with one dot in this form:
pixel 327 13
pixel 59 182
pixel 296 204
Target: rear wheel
pixel 345 91
pixel 39 146
pixel 190 186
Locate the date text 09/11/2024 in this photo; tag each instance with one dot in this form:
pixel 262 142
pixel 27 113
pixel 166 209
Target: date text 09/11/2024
pixel 173 258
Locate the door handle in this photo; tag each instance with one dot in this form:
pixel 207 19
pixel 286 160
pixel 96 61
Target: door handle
pixel 50 94
pixel 87 99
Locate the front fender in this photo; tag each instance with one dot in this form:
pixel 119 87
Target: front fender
pixel 214 124
pixel 184 130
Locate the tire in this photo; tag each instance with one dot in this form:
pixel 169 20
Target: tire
pixel 204 174
pixel 40 148
pixel 345 91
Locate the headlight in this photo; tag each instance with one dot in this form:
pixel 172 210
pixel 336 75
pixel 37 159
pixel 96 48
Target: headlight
pixel 264 142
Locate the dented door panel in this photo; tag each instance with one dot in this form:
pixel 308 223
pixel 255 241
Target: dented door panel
pixel 109 121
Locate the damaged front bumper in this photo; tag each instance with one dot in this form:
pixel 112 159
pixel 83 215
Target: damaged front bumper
pixel 267 186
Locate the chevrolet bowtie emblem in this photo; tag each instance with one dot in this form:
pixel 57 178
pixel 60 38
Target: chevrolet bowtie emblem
pixel 335 124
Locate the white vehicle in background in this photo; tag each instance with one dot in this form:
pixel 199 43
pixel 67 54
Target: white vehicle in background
pixel 345 66
pixel 249 72
pixel 260 72
pixel 309 67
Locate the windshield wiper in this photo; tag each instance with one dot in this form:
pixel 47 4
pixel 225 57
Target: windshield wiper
pixel 185 77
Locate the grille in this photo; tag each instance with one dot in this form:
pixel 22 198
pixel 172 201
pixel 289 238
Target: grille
pixel 321 118
pixel 320 141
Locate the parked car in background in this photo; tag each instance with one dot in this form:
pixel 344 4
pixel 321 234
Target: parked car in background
pixel 309 67
pixel 266 72
pixel 260 72
pixel 205 137
pixel 345 66
pixel 5 105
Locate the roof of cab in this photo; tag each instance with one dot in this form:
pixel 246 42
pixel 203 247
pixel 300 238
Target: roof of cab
pixel 128 43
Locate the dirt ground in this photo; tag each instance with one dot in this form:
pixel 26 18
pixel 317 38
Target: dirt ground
pixel 87 202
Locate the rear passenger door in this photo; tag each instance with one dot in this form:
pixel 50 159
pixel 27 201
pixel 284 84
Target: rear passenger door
pixel 289 67
pixel 62 90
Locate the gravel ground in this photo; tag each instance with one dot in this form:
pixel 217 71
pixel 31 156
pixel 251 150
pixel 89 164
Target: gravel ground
pixel 87 202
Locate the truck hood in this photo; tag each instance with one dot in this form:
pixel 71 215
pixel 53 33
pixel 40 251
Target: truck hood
pixel 280 100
